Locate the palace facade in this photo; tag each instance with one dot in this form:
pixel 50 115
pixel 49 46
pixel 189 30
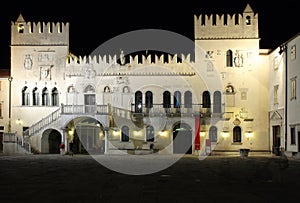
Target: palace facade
pixel 225 96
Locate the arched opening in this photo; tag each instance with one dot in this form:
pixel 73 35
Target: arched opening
pixel 182 139
pixel 149 99
pixel 217 107
pixel 25 96
pixel 213 134
pixel 50 142
pixel 54 97
pixel 206 99
pixel 150 133
pixel 177 99
pixel 125 134
pixel 138 102
pixel 35 95
pixel 237 134
pixel 229 58
pixel 86 137
pixel 45 97
pixel 167 99
pixel 188 99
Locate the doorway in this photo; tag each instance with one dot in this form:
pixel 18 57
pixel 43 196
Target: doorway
pixel 276 140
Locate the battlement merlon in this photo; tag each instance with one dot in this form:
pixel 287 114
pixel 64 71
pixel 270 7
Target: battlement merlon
pixel 236 26
pixel 41 33
pixel 113 59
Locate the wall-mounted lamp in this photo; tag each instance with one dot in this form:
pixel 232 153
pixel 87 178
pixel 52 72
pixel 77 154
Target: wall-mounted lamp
pixel 249 134
pixel 19 121
pixel 202 133
pixel 282 49
pixel 225 133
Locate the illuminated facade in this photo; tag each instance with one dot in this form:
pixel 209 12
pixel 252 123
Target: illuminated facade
pixel 217 103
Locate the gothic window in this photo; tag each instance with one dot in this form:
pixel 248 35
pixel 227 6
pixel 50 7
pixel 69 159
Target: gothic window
pixel 167 99
pixel 229 58
pixel 106 89
pixel 213 134
pixel 149 99
pixel 25 96
pixel 126 89
pixel 229 89
pixel 206 99
pixel 71 89
pixel 293 52
pixel 54 96
pixel 150 133
pixel 237 134
pixel 177 99
pixel 217 102
pixel 248 20
pixel 188 99
pixel 35 97
pixel 138 102
pixel 125 134
pixel 45 97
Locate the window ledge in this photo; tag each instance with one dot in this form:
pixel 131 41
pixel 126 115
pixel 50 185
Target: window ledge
pixel 236 143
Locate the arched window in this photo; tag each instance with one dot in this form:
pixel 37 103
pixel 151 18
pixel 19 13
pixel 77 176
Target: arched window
pixel 188 99
pixel 150 133
pixel 25 96
pixel 177 99
pixel 71 89
pixel 206 99
pixel 126 89
pixel 213 134
pixel 54 97
pixel 138 102
pixel 237 134
pixel 217 102
pixel 125 134
pixel 35 97
pixel 229 89
pixel 45 97
pixel 248 20
pixel 106 89
pixel 149 99
pixel 167 99
pixel 229 58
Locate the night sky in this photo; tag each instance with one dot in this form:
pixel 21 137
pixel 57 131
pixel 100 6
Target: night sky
pixel 94 22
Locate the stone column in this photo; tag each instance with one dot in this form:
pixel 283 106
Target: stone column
pixel 106 140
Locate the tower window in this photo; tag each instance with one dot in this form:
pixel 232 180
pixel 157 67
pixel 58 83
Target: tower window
pixel 21 28
pixel 248 20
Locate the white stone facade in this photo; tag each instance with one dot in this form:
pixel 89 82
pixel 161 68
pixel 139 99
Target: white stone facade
pixel 224 98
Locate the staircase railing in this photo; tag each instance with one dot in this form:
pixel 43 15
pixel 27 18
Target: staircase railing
pixel 42 123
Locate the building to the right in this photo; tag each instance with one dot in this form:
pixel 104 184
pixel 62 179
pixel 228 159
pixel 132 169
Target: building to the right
pixel 284 92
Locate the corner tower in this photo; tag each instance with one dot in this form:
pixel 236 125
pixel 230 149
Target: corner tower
pixel 238 26
pixel 38 61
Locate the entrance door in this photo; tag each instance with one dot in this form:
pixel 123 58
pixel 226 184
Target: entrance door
pixel 276 140
pixel 182 139
pixel 90 103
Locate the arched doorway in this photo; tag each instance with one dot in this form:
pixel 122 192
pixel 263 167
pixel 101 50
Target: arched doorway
pixel 182 139
pixel 87 136
pixel 51 140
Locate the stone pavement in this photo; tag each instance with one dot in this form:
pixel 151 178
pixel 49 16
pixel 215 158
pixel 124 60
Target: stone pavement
pixel 79 178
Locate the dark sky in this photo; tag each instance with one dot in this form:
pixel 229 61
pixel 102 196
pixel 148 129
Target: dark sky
pixel 94 22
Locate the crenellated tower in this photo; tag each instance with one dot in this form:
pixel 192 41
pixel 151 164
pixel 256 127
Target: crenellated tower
pixel 38 60
pixel 237 26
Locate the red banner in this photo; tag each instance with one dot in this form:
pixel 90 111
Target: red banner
pixel 197 132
